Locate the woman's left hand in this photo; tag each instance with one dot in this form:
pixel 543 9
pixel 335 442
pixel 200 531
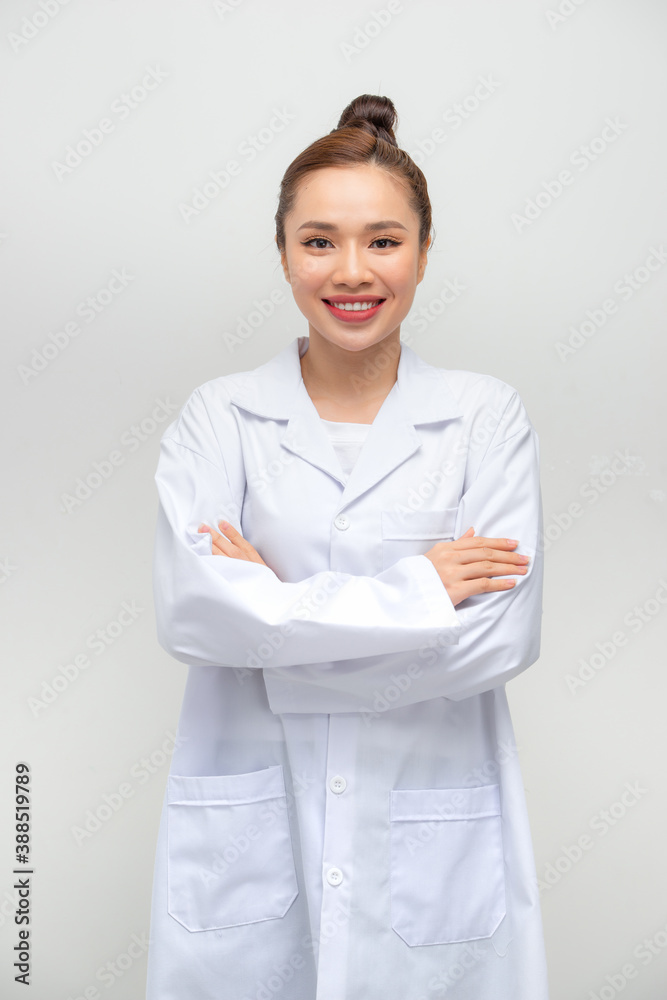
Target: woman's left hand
pixel 232 543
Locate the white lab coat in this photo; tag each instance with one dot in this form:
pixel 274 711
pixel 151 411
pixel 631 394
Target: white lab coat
pixel 344 817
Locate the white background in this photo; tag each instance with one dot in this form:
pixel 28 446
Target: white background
pixel 222 70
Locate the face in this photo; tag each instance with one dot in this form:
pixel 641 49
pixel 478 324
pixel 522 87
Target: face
pixel 352 241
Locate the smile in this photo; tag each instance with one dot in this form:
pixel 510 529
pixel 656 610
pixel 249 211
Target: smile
pixel 353 312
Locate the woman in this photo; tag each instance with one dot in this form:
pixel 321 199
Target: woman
pixel 345 817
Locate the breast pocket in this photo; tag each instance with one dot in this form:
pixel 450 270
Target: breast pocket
pixel 414 532
pixel 229 849
pixel 447 867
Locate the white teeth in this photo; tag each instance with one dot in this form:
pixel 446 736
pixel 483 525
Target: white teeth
pixel 355 306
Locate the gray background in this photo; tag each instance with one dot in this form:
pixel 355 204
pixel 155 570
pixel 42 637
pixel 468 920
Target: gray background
pixel 220 71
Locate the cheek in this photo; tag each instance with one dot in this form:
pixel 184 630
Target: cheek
pixel 401 276
pixel 305 274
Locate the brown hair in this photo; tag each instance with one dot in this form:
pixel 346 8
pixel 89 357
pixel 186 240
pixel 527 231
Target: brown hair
pixel 365 134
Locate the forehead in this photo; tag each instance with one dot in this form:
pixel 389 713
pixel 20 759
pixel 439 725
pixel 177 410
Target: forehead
pixel 356 194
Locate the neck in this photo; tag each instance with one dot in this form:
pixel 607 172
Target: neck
pixel 350 377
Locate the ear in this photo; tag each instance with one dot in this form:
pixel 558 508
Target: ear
pixel 283 261
pixel 423 260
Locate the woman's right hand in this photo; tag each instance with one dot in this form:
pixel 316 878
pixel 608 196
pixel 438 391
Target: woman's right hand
pixel 467 565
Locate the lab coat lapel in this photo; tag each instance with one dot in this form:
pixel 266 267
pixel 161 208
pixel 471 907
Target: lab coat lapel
pixel 276 390
pixel 420 395
pixel 306 436
pixel 391 439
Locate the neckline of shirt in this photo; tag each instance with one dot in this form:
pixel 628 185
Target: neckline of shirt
pixel 341 423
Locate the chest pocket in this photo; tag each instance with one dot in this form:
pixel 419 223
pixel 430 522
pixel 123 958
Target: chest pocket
pixel 414 532
pixel 447 865
pixel 229 849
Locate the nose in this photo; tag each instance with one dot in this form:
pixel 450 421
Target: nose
pixel 351 267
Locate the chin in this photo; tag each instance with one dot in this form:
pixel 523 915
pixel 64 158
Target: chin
pixel 349 340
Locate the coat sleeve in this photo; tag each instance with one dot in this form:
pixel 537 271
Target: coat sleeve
pixel 217 611
pixel 500 631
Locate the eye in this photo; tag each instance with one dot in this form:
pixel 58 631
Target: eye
pixel 387 240
pixel 316 239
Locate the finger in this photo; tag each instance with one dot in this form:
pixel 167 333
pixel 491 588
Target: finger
pixel 241 544
pixel 505 543
pixel 488 568
pixel 232 534
pixel 488 554
pixel 481 540
pixel 470 588
pixel 219 544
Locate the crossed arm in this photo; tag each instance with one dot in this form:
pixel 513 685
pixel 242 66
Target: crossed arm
pixel 478 632
pixel 466 566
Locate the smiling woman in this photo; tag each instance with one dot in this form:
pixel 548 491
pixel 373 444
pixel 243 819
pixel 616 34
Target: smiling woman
pixel 380 257
pixel 344 817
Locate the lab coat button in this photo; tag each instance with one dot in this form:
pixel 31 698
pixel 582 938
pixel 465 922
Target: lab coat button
pixel 342 522
pixel 334 876
pixel 338 784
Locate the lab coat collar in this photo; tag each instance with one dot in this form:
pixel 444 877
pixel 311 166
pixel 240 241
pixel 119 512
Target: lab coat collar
pixel 420 395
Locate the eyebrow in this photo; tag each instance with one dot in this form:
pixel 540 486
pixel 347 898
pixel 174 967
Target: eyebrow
pixel 370 227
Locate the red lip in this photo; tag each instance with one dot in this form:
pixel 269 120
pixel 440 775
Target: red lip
pixel 353 315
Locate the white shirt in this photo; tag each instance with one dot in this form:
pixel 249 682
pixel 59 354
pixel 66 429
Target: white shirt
pixel 347 440
pixel 344 817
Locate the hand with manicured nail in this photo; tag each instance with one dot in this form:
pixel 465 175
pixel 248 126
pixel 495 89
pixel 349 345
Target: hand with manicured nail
pixel 466 565
pixel 232 543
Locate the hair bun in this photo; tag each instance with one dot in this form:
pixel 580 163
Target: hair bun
pixel 374 114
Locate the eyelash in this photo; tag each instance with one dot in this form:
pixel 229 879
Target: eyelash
pixel 384 239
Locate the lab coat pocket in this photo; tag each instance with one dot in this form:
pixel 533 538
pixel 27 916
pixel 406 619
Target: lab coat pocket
pixel 414 532
pixel 447 867
pixel 229 849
